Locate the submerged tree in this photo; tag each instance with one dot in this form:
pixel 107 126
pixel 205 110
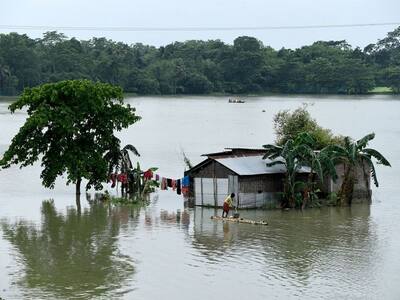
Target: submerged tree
pixel 295 154
pixel 70 127
pixel 288 125
pixel 119 161
pixel 352 155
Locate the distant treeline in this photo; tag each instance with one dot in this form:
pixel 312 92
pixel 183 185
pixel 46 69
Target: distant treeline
pixel 200 67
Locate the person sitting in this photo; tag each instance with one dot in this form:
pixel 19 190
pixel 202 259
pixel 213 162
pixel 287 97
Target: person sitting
pixel 228 203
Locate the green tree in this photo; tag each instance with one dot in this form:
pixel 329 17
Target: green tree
pixel 393 78
pixel 70 126
pixel 352 155
pixel 295 154
pixel 288 125
pixel 8 82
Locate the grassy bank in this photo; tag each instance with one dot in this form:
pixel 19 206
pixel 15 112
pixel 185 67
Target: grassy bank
pixel 381 90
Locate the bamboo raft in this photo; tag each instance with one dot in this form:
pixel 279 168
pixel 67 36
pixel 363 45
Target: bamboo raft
pixel 239 220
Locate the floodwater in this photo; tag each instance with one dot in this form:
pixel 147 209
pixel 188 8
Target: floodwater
pixel 167 251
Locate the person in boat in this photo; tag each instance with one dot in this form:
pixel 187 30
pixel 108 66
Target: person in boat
pixel 228 203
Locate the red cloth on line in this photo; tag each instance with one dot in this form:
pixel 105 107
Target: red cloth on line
pixel 123 178
pixel 148 175
pixel 113 179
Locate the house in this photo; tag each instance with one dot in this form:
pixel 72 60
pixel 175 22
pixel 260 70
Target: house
pixel 243 171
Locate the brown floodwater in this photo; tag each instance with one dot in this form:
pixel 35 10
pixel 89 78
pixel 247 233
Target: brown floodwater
pixel 166 251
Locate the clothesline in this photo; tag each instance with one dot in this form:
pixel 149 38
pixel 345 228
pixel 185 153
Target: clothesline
pixel 181 185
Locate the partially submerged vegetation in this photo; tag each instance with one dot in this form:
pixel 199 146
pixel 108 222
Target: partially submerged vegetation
pixel 301 142
pixel 71 128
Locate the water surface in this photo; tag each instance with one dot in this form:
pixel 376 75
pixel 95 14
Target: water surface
pixel 48 250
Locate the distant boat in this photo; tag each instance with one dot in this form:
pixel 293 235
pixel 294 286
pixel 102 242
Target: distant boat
pixel 235 101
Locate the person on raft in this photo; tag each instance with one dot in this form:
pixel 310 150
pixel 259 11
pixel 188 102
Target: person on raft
pixel 228 203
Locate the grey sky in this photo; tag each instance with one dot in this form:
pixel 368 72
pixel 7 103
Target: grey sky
pixel 208 13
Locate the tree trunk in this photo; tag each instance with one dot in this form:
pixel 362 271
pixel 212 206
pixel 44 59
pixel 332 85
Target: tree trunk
pixel 366 179
pixel 78 186
pixel 78 203
pixel 308 189
pixel 78 195
pixel 346 190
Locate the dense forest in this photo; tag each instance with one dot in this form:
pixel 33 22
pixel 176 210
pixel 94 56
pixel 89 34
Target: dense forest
pixel 200 67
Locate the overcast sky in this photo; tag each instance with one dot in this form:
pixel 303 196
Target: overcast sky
pixel 207 13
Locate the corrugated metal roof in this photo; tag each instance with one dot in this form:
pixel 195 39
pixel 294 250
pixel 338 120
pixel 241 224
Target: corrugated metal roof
pixel 253 165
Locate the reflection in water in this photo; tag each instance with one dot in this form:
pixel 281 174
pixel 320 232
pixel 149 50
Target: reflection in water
pixel 72 255
pixel 299 244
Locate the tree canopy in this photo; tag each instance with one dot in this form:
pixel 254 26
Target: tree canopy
pixel 70 127
pixel 200 67
pixel 288 125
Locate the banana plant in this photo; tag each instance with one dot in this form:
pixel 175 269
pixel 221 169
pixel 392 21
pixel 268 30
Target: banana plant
pixel 294 155
pixel 120 162
pixel 353 154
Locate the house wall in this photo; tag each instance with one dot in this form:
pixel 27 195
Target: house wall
pixel 211 170
pixel 260 191
pixel 261 183
pixel 362 186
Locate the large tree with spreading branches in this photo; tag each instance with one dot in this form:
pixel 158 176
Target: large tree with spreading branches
pixel 70 127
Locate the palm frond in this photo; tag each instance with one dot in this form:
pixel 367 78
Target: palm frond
pixel 316 165
pixel 271 151
pixel 287 148
pixel 275 162
pixel 328 164
pixel 362 143
pixel 305 138
pixel 132 149
pixel 368 160
pixel 299 184
pixel 377 155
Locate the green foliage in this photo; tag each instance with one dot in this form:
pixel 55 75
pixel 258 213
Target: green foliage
pixel 70 127
pixel 288 125
pixel 294 155
pixel 353 154
pixel 332 199
pixel 393 78
pixel 199 67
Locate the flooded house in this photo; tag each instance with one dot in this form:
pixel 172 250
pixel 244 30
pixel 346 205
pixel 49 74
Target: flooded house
pixel 243 171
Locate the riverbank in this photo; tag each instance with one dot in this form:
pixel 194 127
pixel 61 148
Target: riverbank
pixel 376 91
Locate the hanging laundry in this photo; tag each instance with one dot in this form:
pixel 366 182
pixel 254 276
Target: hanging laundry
pixel 164 183
pixel 173 184
pixel 148 175
pixel 185 191
pixel 113 179
pixel 169 182
pixel 185 181
pixel 123 178
pixel 178 186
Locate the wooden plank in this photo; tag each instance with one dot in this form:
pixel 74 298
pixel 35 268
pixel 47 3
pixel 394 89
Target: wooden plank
pixel 238 220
